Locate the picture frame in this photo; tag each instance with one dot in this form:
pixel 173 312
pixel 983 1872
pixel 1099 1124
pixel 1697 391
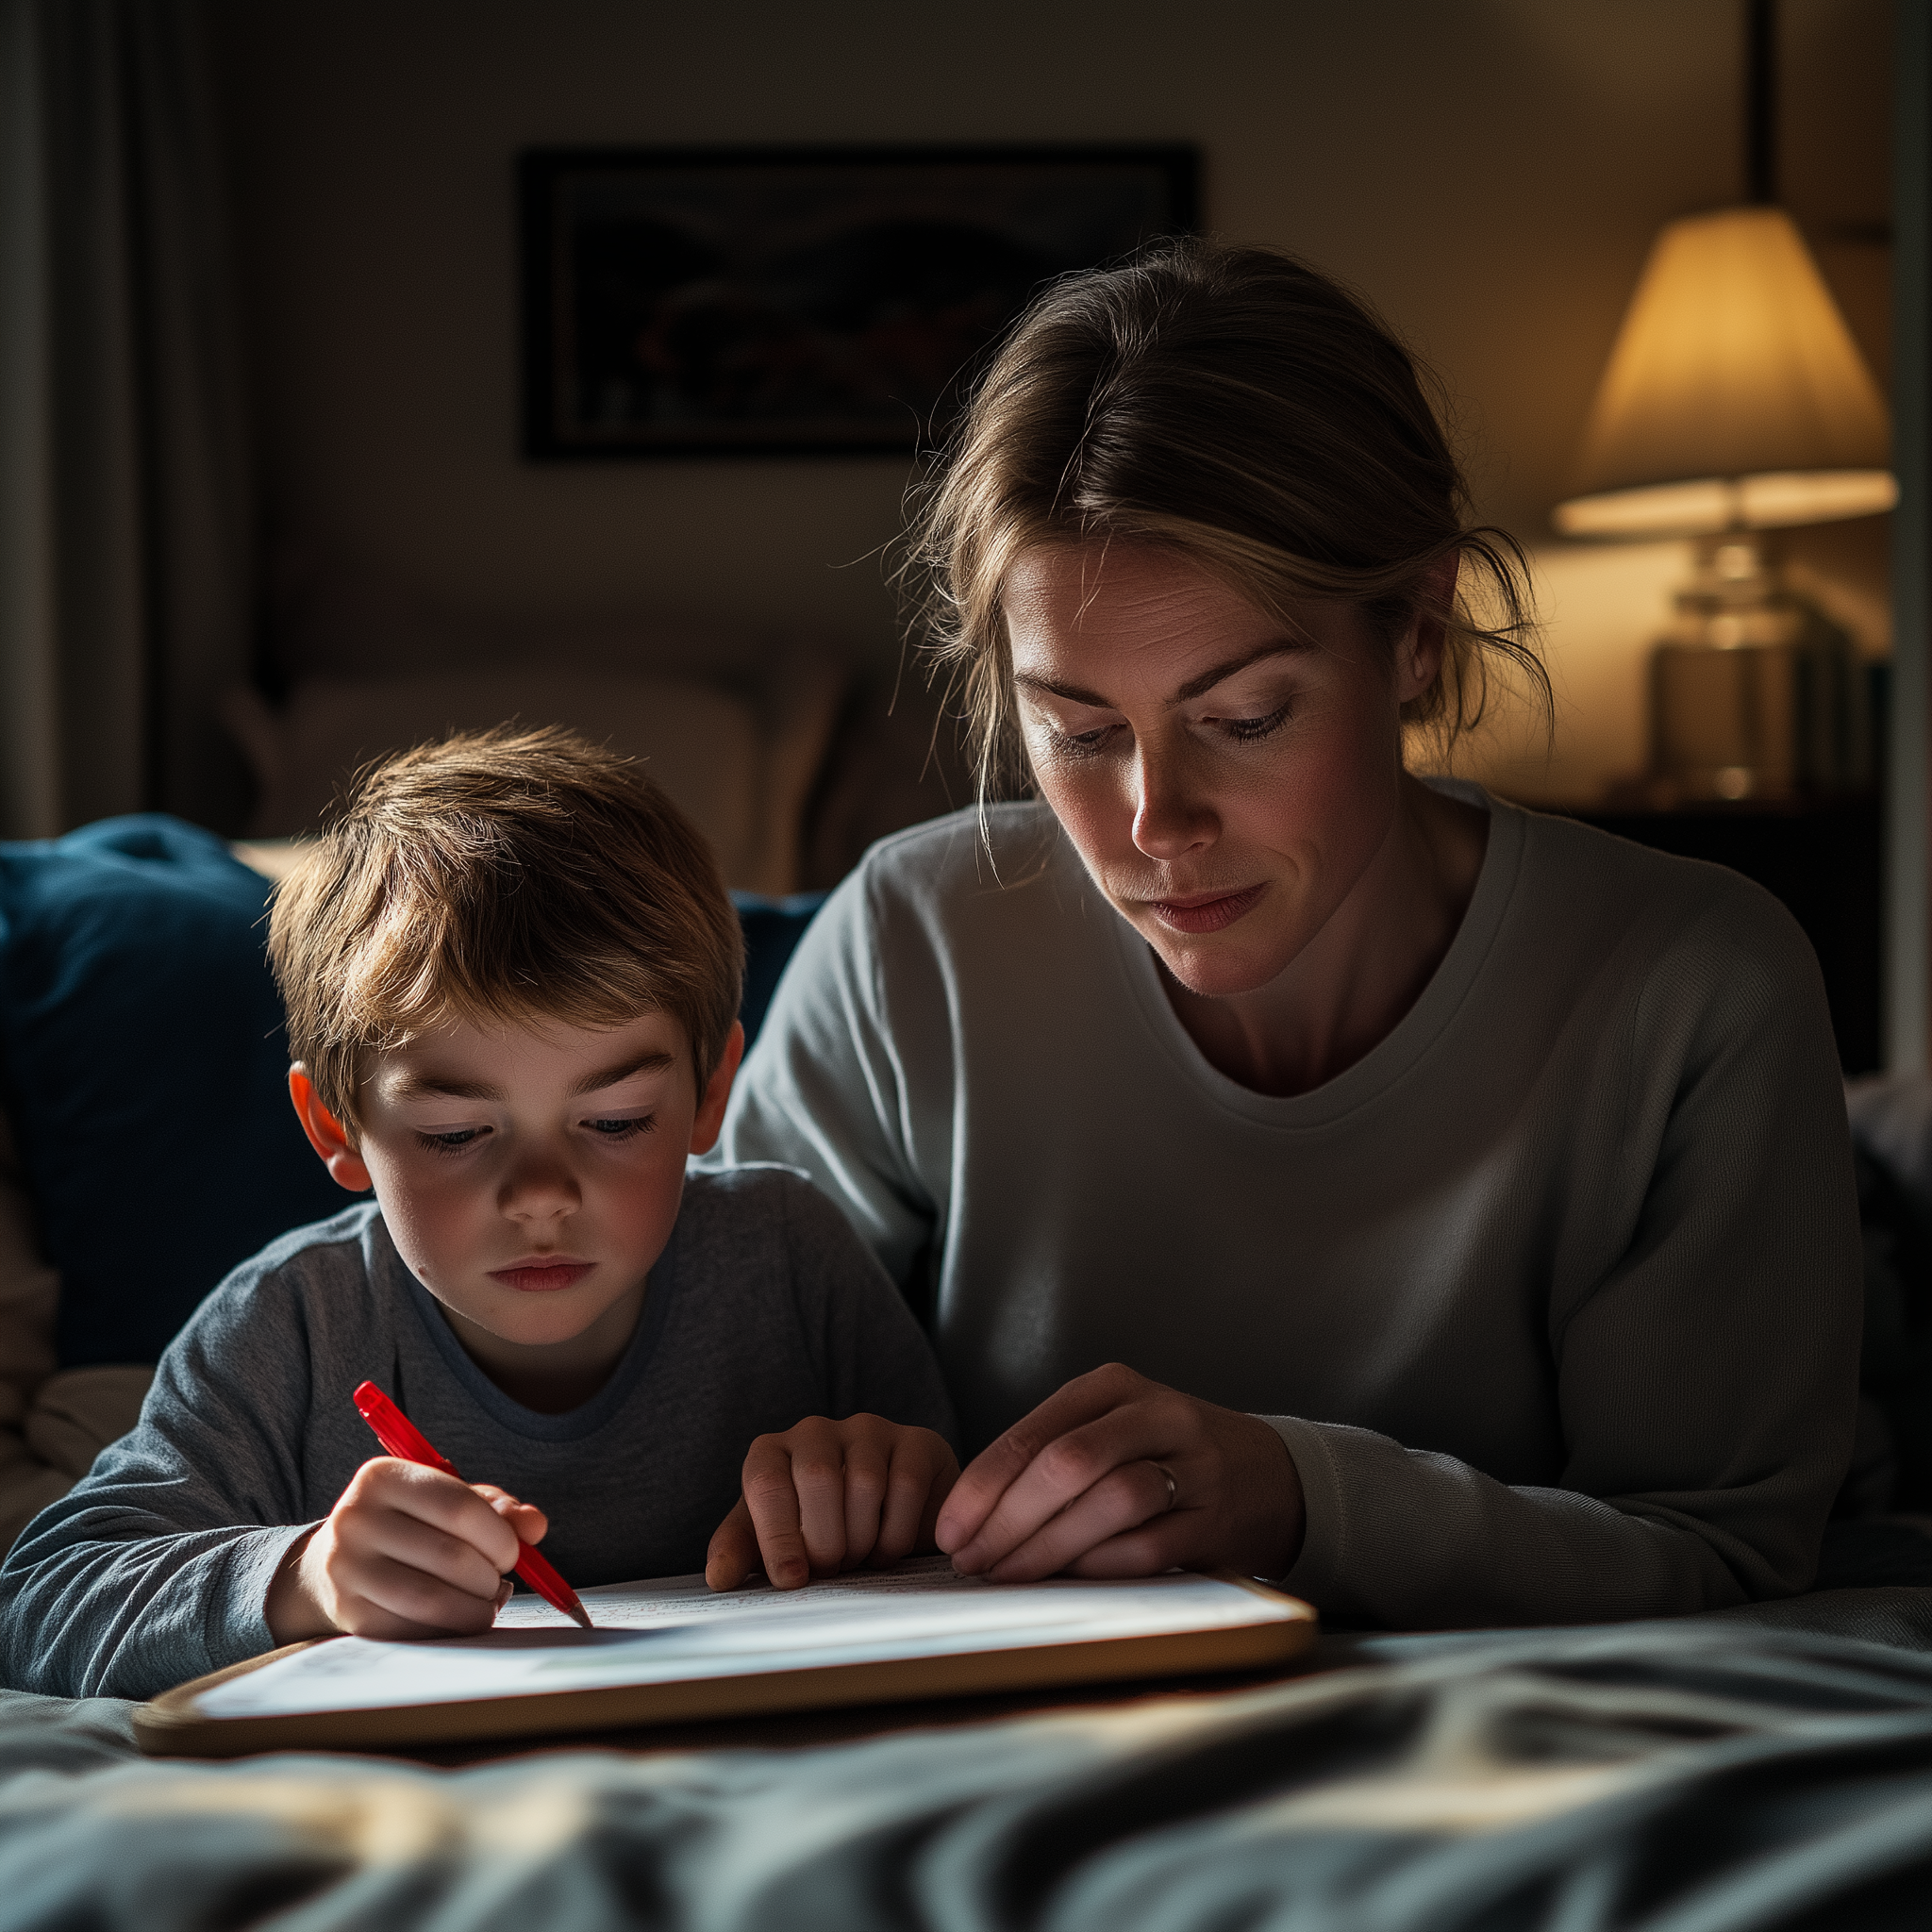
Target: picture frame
pixel 809 301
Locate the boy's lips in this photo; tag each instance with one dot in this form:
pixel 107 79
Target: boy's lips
pixel 542 1277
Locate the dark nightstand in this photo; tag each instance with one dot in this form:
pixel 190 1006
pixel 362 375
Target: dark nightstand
pixel 1822 857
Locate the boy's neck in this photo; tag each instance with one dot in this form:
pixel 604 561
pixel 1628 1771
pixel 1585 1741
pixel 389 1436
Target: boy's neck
pixel 556 1376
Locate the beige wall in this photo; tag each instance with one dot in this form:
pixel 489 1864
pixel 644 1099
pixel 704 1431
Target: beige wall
pixel 1490 172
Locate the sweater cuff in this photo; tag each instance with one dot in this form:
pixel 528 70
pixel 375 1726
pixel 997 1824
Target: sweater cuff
pixel 238 1627
pixel 1318 1569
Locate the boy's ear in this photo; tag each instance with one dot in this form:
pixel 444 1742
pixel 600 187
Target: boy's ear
pixel 710 1121
pixel 326 1134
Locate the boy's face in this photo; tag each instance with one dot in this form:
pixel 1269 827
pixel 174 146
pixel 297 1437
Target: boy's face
pixel 530 1175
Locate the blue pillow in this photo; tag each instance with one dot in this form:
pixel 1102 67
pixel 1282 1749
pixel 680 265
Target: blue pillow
pixel 772 928
pixel 143 1062
pixel 142 1058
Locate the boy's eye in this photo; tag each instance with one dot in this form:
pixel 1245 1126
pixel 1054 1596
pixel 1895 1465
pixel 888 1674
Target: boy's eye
pixel 620 1130
pixel 453 1141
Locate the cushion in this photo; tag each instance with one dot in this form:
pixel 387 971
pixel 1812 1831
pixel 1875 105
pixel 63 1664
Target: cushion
pixel 141 1064
pixel 701 745
pixel 1891 1141
pixel 772 928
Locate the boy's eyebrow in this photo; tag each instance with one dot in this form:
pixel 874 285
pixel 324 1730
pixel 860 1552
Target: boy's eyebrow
pixel 650 1063
pixel 655 1061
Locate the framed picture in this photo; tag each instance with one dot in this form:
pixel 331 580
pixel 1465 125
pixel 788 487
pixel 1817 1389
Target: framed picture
pixel 704 302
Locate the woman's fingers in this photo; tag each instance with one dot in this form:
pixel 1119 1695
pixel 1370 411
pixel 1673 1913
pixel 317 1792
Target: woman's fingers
pixel 1143 1431
pixel 1085 1476
pixel 1126 1498
pixel 988 1476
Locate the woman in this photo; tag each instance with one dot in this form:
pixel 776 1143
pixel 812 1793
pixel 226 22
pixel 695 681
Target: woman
pixel 1442 1208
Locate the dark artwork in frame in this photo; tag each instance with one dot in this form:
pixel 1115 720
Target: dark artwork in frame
pixel 813 301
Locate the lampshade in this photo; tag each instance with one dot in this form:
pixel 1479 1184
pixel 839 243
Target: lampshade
pixel 1734 397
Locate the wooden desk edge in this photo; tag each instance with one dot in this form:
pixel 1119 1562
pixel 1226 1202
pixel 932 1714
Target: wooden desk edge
pixel 173 1724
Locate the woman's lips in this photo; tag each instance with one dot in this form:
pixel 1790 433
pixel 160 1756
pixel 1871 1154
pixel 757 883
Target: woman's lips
pixel 542 1277
pixel 1204 911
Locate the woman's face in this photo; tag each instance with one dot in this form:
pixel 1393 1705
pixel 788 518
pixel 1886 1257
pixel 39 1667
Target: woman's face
pixel 1227 780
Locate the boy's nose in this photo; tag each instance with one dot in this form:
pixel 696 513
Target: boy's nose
pixel 541 1191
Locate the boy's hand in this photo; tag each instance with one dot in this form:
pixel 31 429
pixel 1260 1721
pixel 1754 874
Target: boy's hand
pixel 406 1552
pixel 828 1496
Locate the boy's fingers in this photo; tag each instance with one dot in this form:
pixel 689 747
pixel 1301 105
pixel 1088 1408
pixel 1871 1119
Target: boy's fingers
pixel 443 1503
pixel 422 1516
pixel 773 1500
pixel 529 1523
pixel 734 1551
pixel 389 1536
pixel 818 1451
pixel 413 1597
pixel 867 1485
pixel 920 1478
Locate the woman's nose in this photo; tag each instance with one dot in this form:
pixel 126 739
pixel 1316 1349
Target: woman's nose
pixel 1172 817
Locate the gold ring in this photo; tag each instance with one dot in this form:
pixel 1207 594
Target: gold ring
pixel 1167 1476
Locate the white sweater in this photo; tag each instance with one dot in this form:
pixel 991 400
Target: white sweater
pixel 1554 1296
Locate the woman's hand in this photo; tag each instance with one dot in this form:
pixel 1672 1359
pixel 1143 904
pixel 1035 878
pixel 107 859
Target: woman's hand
pixel 828 1496
pixel 1116 1475
pixel 406 1552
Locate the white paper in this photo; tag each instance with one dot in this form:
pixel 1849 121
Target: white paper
pixel 674 1630
pixel 680 1599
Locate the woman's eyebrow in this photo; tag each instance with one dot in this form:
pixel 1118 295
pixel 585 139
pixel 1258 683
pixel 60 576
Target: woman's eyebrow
pixel 1072 693
pixel 1275 647
pixel 1195 687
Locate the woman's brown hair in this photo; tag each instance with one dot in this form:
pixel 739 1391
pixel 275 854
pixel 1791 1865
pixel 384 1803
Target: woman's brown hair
pixel 1240 408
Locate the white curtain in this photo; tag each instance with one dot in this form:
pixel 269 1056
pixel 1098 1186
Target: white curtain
pixel 126 505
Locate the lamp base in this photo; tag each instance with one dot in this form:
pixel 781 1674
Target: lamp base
pixel 1755 693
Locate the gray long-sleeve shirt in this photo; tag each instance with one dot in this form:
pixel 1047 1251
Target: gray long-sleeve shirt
pixel 763 1309
pixel 1554 1296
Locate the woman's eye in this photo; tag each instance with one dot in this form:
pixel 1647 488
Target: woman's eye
pixel 620 1130
pixel 452 1143
pixel 1079 744
pixel 1245 730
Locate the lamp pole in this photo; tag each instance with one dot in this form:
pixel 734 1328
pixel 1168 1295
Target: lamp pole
pixel 1761 102
pixel 1908 981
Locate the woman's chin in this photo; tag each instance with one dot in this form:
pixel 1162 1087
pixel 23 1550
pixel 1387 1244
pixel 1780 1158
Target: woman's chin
pixel 1212 970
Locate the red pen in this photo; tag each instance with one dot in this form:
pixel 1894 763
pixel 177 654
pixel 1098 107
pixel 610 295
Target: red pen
pixel 407 1443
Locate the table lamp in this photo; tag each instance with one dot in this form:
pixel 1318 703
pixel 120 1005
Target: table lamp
pixel 1736 402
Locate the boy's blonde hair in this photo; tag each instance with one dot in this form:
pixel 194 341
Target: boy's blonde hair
pixel 500 878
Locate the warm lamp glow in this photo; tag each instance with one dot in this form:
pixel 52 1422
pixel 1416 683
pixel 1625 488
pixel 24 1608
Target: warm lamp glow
pixel 1734 396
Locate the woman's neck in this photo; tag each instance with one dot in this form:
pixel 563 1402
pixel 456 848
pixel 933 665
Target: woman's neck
pixel 1349 988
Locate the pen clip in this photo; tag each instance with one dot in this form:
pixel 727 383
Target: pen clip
pixel 396 1432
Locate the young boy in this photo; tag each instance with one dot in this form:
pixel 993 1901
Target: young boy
pixel 511 974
